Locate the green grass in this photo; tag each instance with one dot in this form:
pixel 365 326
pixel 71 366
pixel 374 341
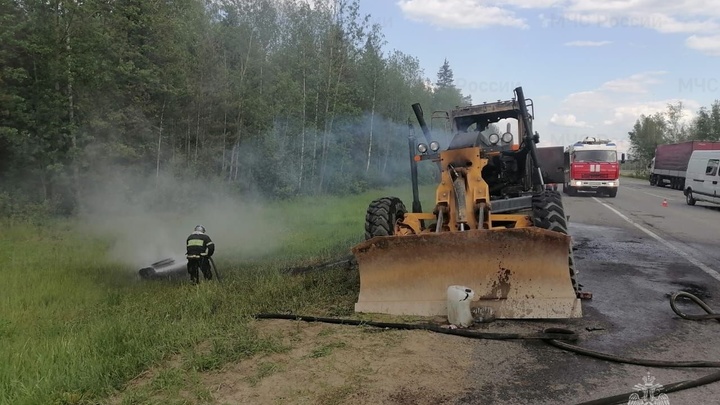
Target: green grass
pixel 326 349
pixel 76 326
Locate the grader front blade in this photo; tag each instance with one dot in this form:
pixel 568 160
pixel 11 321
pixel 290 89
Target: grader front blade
pixel 518 272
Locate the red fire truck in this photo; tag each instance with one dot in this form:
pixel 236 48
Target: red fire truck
pixel 592 165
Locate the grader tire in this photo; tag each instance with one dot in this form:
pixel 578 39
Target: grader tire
pixel 549 213
pixel 381 216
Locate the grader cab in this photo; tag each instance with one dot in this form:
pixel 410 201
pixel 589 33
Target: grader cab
pixel 494 226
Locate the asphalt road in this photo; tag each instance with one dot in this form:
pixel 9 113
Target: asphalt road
pixel 632 253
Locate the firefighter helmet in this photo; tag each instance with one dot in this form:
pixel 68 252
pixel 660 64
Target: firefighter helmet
pixel 200 228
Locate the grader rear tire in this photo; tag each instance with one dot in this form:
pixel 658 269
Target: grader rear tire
pixel 381 216
pixel 549 213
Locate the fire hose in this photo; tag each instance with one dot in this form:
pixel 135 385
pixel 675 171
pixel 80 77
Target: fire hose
pixel 212 263
pixel 555 337
pixel 552 333
pixel 674 387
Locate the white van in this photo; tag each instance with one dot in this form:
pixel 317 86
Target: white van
pixel 702 180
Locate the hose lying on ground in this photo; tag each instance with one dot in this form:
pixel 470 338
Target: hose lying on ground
pixel 699 302
pixel 347 262
pixel 552 333
pixel 668 388
pixel 553 336
pixel 630 360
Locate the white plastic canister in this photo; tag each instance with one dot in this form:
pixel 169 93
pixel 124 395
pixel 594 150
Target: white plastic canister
pixel 458 305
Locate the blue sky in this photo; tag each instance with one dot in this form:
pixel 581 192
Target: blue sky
pixel 590 66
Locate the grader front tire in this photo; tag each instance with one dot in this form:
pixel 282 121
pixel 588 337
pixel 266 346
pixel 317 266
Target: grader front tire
pixel 381 216
pixel 549 213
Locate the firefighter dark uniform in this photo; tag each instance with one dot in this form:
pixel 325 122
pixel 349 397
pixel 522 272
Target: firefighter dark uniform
pixel 199 249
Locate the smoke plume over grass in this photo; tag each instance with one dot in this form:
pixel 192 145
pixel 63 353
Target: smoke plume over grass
pixel 148 214
pixel 148 218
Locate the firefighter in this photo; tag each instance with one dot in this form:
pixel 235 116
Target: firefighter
pixel 200 249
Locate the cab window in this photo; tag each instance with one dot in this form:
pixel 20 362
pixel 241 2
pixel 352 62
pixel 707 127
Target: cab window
pixel 712 167
pixel 595 156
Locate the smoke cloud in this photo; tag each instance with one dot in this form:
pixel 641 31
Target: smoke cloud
pixel 147 215
pixel 148 218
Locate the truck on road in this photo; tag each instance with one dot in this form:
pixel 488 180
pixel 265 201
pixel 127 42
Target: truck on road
pixel 592 165
pixel 670 163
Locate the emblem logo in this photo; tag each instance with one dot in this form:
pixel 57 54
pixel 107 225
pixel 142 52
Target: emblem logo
pixel 649 393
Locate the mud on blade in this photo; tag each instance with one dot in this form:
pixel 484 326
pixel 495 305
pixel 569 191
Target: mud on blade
pixel 519 273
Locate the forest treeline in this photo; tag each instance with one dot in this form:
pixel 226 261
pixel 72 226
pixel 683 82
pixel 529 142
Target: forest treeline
pixel 278 98
pixel 671 126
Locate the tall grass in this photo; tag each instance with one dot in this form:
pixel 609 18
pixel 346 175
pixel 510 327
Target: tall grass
pixel 75 326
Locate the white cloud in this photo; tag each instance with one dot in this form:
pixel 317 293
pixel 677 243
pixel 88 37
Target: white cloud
pixel 637 83
pixel 697 9
pixel 460 13
pixel 589 100
pixel 692 17
pixel 601 97
pixel 627 114
pixel 610 110
pixel 657 21
pixel 707 44
pixel 668 17
pixel 533 3
pixel 567 120
pixel 588 43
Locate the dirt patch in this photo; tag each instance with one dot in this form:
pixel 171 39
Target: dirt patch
pixel 335 364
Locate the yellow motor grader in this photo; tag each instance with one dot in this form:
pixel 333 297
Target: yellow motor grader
pixel 495 227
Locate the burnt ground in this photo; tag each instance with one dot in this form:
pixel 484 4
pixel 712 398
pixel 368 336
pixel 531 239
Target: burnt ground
pixel 632 276
pixel 629 315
